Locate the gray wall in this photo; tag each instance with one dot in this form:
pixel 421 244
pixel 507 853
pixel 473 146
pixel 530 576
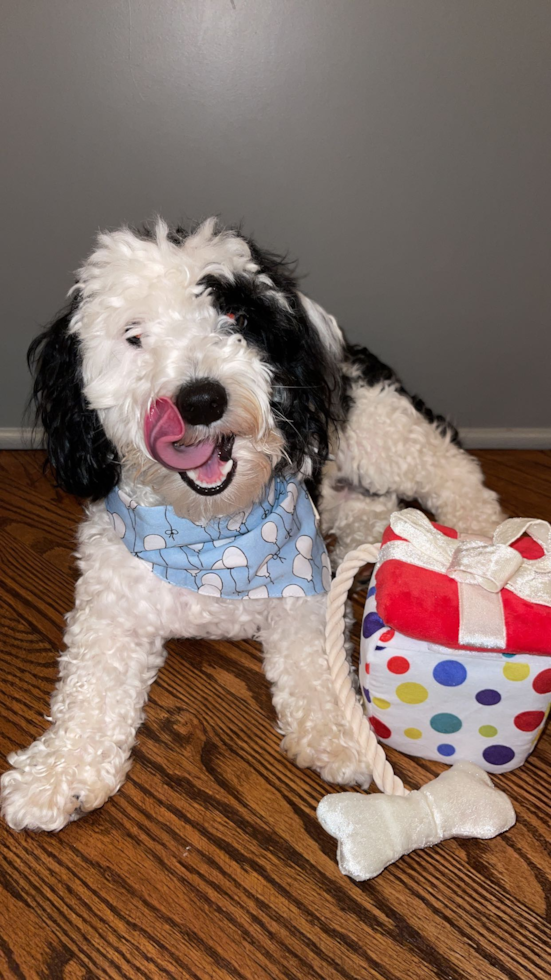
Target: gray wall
pixel 400 148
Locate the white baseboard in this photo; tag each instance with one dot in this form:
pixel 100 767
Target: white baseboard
pixel 470 438
pixel 505 438
pixel 20 439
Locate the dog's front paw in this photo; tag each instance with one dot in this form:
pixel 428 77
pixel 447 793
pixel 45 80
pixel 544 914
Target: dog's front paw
pixel 47 789
pixel 334 755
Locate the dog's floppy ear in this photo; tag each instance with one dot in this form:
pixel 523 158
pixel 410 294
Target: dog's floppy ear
pixel 84 461
pixel 325 325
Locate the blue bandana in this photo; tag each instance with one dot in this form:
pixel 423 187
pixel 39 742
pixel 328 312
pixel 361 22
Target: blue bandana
pixel 272 549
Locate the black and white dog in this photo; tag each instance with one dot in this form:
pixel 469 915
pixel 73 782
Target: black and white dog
pixel 261 382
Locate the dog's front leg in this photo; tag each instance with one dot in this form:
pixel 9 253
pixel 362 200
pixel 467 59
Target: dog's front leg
pixel 310 719
pixel 114 650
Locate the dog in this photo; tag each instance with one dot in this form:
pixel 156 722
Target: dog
pixel 189 377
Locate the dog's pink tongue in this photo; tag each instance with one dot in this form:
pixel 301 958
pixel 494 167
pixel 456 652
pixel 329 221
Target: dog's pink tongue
pixel 163 427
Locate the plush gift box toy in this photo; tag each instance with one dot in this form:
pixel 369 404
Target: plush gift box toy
pixel 455 665
pixel 443 665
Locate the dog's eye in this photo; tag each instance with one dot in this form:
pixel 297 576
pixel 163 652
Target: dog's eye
pixel 135 339
pixel 239 318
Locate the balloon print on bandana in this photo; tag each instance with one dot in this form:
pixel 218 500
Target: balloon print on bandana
pixel 170 531
pixel 239 520
pixel 293 591
pixel 260 592
pixel 325 571
pixel 193 559
pixel 290 502
pixel 208 527
pixel 211 584
pixel 233 558
pixel 119 525
pixel 270 500
pixel 127 501
pixel 269 534
pixel 154 542
pixel 302 564
pixel 263 571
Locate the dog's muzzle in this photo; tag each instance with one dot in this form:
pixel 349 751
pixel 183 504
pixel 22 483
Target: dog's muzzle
pixel 206 466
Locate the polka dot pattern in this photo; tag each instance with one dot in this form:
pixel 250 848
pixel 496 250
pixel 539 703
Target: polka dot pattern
pixel 488 697
pixel 487 731
pixel 528 721
pixel 445 723
pixel 379 727
pixel 516 671
pixel 542 682
pixel 372 624
pixel 381 703
pixel 450 673
pixel 411 693
pixel 498 755
pixel 398 665
pixel 447 705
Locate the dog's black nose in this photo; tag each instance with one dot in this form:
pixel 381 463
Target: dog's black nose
pixel 202 402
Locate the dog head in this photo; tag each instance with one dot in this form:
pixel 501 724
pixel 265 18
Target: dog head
pixel 191 365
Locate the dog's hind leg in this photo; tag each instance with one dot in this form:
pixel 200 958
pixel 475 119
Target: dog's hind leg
pixel 389 451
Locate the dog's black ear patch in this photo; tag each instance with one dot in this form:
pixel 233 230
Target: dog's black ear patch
pixel 307 396
pixel 84 461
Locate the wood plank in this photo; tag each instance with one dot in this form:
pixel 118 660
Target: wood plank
pixel 210 863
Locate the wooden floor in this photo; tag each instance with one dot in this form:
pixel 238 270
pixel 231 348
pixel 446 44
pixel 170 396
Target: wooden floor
pixel 210 862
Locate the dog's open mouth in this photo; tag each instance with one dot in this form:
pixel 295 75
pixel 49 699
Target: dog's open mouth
pixel 217 473
pixel 206 466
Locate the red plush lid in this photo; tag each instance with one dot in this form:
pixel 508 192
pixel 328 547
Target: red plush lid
pixel 425 605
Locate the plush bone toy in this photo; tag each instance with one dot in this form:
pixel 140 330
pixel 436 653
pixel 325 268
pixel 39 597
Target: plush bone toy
pixel 374 831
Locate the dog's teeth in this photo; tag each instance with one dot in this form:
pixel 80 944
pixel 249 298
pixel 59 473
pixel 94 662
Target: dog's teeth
pixel 194 476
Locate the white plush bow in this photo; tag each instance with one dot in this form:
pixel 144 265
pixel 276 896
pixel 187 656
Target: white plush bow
pixel 493 566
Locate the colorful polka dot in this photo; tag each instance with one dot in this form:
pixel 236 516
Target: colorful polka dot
pixel 488 696
pixel 516 672
pixel 371 624
pixel 542 682
pixel 380 729
pixel 371 592
pixel 446 749
pixel 450 673
pixel 367 668
pixel 367 695
pixel 412 693
pixel 528 721
pixel 498 755
pixel 381 703
pixel 488 731
pixel 398 665
pixel 413 733
pixel 386 636
pixel 445 723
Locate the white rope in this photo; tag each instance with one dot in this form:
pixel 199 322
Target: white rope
pixel 372 753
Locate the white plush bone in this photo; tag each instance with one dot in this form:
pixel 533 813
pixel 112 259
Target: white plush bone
pixel 374 831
